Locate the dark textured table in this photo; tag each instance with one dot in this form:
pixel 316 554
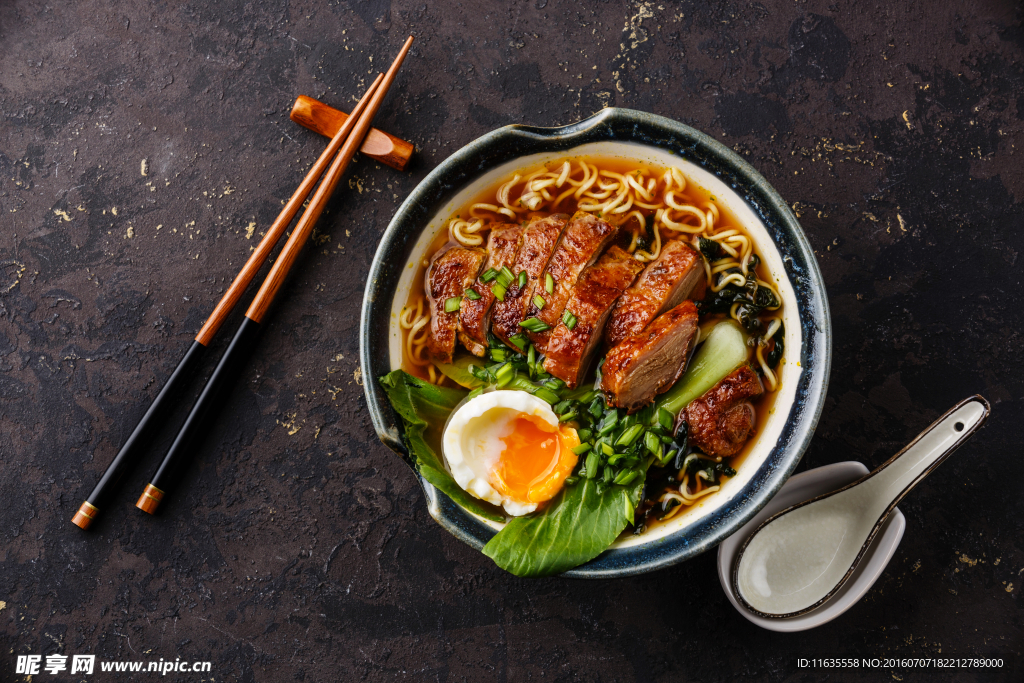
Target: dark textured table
pixel 144 146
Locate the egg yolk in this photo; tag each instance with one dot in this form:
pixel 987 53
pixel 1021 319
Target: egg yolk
pixel 536 460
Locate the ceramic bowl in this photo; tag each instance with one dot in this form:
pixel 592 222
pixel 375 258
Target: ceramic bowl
pixel 799 488
pixel 780 241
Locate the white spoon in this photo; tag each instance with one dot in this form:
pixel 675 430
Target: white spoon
pixel 800 557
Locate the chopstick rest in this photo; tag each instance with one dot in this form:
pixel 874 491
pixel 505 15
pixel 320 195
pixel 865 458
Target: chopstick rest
pixel 326 120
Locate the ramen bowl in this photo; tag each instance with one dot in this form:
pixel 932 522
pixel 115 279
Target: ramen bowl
pixel 657 141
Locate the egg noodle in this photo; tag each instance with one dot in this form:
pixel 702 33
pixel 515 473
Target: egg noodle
pixel 652 205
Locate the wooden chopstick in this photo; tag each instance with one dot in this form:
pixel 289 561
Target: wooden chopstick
pixel 164 402
pixel 322 118
pixel 353 131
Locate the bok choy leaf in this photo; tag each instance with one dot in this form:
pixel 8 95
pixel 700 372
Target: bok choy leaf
pixel 424 408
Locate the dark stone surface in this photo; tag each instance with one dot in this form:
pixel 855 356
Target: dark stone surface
pixel 299 548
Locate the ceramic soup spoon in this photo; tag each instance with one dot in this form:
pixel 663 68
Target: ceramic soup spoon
pixel 800 557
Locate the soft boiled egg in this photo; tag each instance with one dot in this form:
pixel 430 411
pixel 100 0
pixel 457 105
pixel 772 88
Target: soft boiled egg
pixel 507 447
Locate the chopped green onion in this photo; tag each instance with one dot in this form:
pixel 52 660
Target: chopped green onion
pixel 592 464
pixel 476 392
pixel 522 279
pixel 565 417
pixel 625 477
pixel 452 304
pixel 546 395
pixel 555 383
pixel 504 375
pixel 549 283
pixel 665 419
pixel 506 276
pixel 569 319
pixel 629 436
pixel 535 325
pixel 607 474
pixel 562 406
pixel 608 422
pixel 531 359
pixel 607 448
pixel 489 275
pixel 498 291
pixel 499 355
pixel 596 408
pixel 653 443
pixel 538 301
pixel 519 341
pixel 584 434
pixel 582 448
pixel 614 460
pixel 472 294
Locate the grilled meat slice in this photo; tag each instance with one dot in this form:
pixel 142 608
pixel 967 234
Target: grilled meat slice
pixel 450 272
pixel 583 240
pixel 540 238
pixel 571 348
pixel 503 244
pixel 722 420
pixel 650 362
pixel 666 281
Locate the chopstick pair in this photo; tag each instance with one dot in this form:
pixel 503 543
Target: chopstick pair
pixel 348 140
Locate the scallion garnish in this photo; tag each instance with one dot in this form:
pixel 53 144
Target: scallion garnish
pixel 472 294
pixel 549 283
pixel 538 301
pixel 626 477
pixel 504 375
pixel 535 325
pixel 569 319
pixel 582 448
pixel 522 279
pixel 489 275
pixel 546 395
pixel 498 291
pixel 506 276
pixel 629 436
pixel 452 304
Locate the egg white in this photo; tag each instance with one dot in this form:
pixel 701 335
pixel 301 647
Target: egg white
pixel 472 442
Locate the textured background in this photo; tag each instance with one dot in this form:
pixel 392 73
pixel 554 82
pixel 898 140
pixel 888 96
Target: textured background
pixel 299 547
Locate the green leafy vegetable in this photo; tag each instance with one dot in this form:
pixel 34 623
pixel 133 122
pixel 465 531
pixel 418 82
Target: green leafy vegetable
pixel 578 525
pixel 710 248
pixel 775 355
pixel 724 351
pixel 460 373
pixel 424 408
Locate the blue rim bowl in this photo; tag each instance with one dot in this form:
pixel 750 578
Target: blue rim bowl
pixel 792 420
